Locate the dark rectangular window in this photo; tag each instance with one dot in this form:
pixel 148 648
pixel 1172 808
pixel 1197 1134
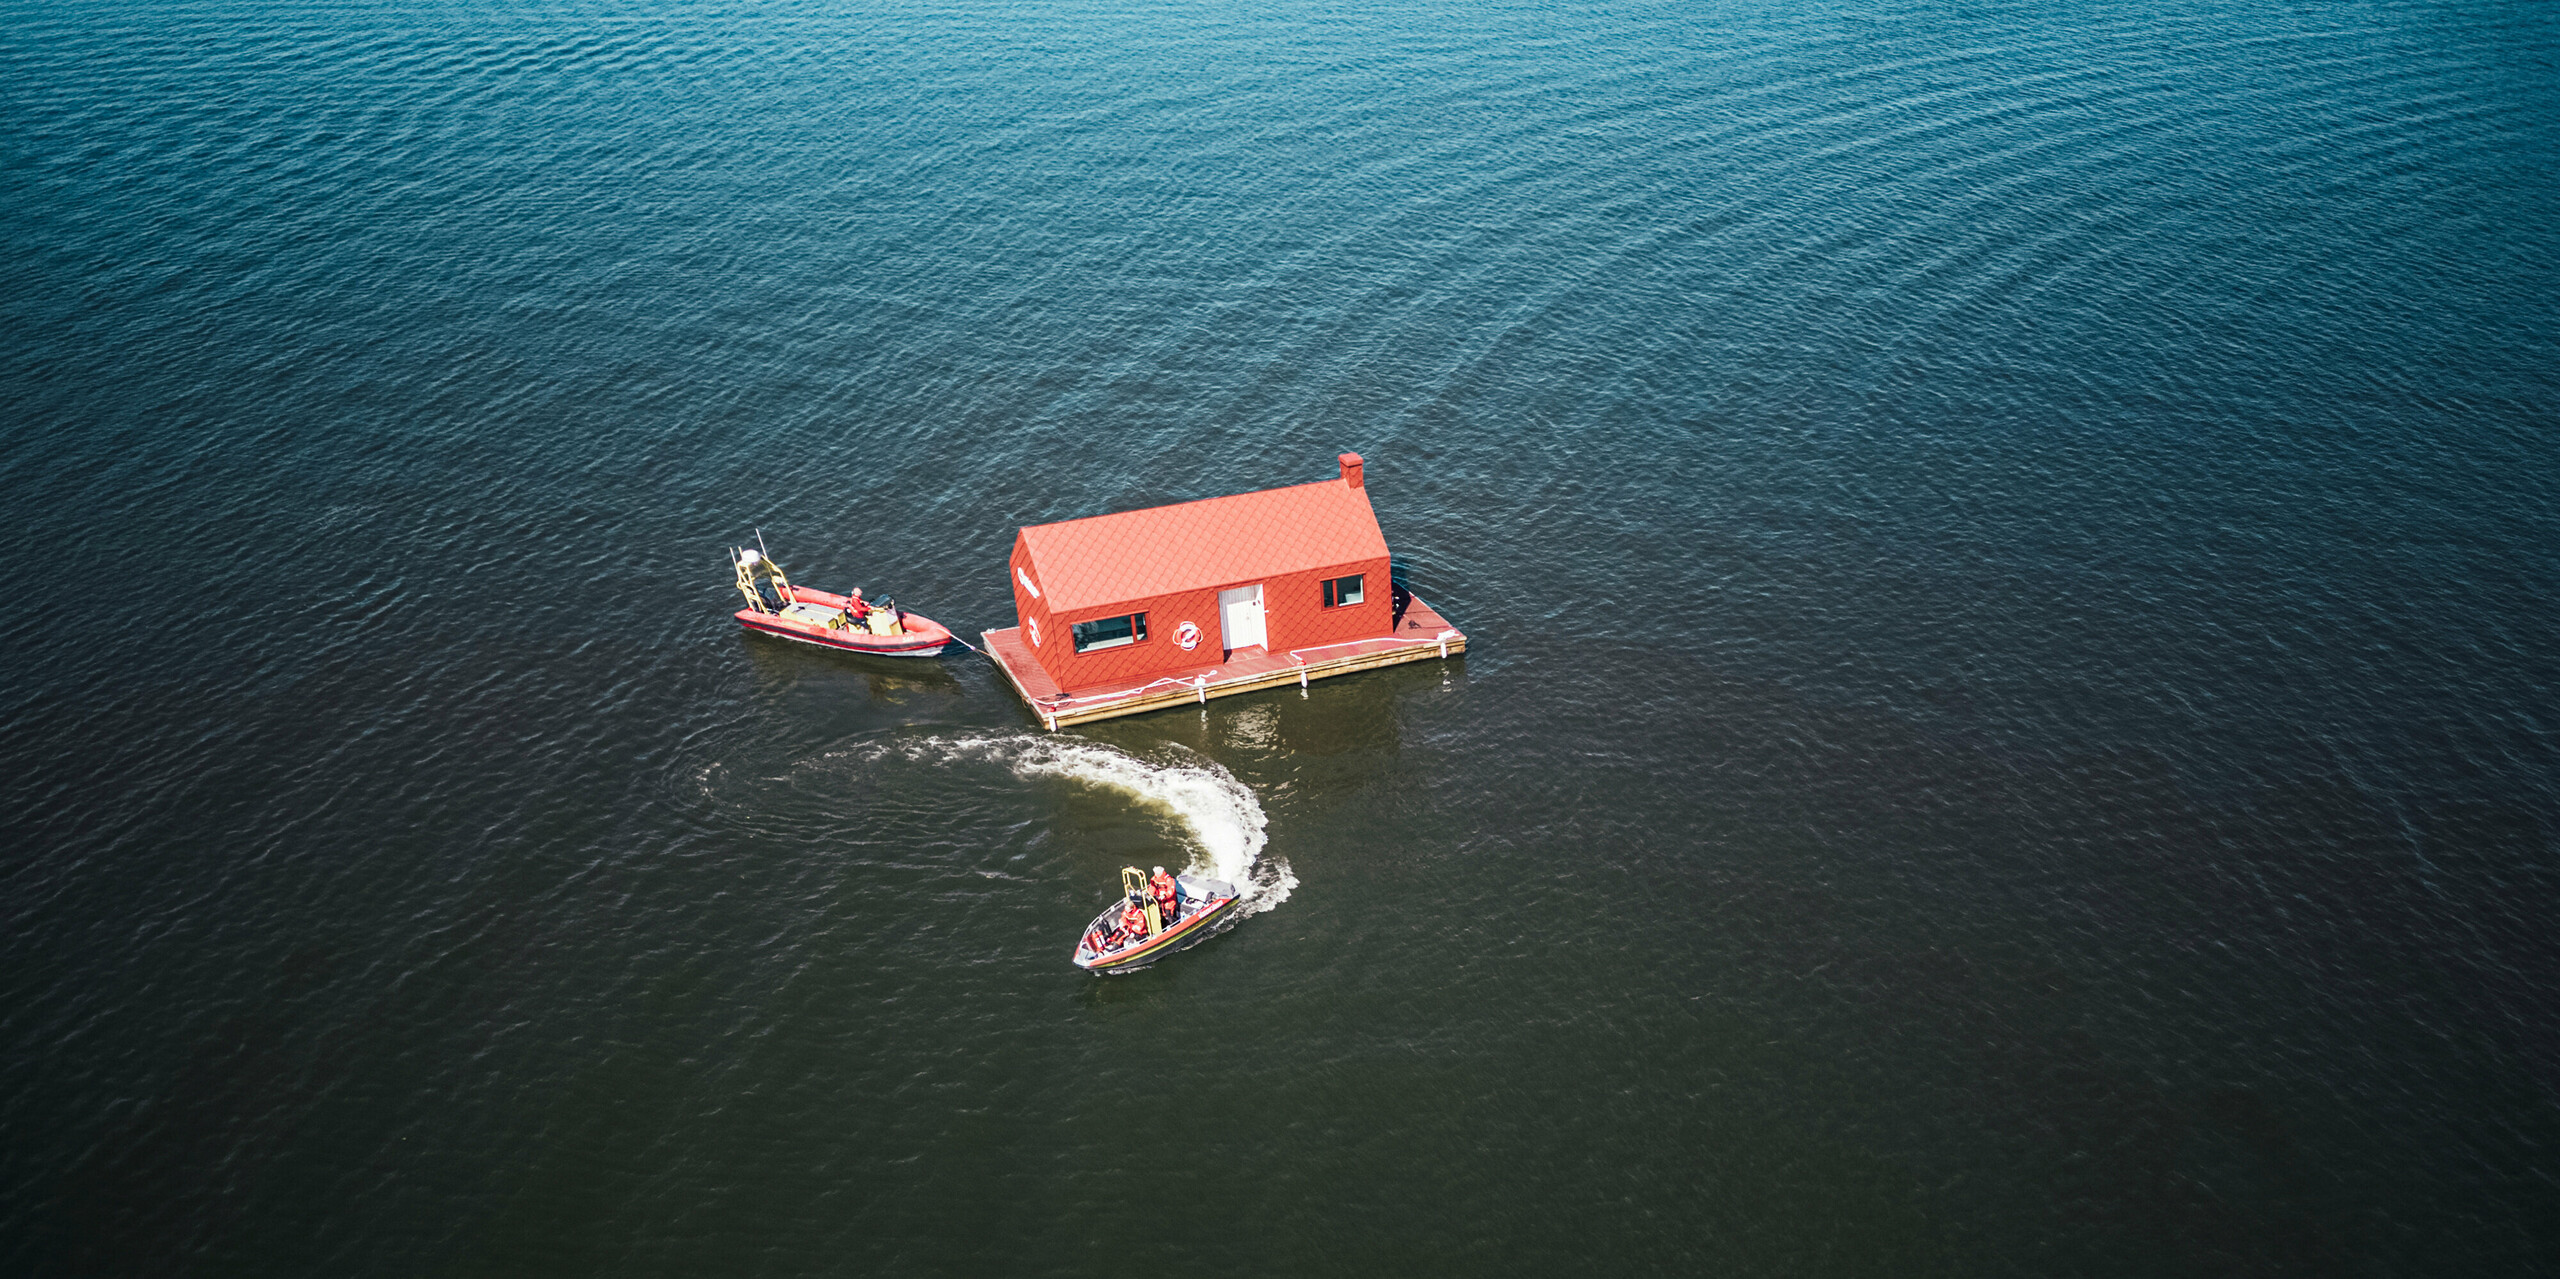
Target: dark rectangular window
pixel 1339 591
pixel 1110 632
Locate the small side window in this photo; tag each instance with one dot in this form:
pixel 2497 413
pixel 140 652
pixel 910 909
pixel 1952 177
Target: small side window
pixel 1110 632
pixel 1342 591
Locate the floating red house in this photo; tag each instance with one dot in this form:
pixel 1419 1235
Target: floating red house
pixel 1146 609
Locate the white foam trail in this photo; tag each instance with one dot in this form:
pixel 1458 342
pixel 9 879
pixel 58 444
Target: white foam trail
pixel 1225 821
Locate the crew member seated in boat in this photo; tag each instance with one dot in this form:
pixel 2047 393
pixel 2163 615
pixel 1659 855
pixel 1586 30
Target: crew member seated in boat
pixel 1133 920
pixel 1168 896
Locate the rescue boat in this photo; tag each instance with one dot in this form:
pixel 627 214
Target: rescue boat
pixel 1207 908
pixel 826 619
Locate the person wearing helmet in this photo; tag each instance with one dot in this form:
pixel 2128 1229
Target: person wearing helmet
pixel 1168 893
pixel 1133 920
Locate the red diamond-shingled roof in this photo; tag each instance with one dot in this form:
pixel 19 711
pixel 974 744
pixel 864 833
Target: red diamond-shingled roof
pixel 1218 541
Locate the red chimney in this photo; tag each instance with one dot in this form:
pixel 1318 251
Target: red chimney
pixel 1351 469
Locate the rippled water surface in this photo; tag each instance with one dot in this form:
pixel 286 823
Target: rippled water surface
pixel 2010 550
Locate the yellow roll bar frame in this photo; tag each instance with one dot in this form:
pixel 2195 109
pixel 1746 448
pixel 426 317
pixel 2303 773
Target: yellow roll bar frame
pixel 1134 880
pixel 763 568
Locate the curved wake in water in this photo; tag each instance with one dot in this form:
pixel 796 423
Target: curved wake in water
pixel 1225 821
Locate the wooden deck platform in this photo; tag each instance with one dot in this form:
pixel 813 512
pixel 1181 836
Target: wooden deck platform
pixel 1423 635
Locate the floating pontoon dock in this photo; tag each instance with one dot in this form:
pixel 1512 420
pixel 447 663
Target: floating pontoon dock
pixel 1422 635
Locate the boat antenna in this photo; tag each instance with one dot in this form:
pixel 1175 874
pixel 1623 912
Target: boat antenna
pixel 768 551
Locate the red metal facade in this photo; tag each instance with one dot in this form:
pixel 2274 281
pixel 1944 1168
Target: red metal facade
pixel 1170 563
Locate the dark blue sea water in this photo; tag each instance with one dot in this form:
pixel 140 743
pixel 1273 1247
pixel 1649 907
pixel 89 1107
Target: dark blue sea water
pixel 2012 552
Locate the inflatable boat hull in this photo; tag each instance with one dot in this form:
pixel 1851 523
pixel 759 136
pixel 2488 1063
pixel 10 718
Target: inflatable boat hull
pixel 804 619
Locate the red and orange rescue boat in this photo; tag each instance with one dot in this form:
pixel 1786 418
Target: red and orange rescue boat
pixel 826 619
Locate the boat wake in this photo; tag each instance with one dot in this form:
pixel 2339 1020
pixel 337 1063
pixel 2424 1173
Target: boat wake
pixel 1224 820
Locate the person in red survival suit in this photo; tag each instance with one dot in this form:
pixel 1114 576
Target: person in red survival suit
pixel 1168 896
pixel 1133 920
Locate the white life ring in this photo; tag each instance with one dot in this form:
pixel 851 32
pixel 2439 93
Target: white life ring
pixel 1187 636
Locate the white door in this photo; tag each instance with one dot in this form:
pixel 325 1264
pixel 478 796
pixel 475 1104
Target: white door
pixel 1240 616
